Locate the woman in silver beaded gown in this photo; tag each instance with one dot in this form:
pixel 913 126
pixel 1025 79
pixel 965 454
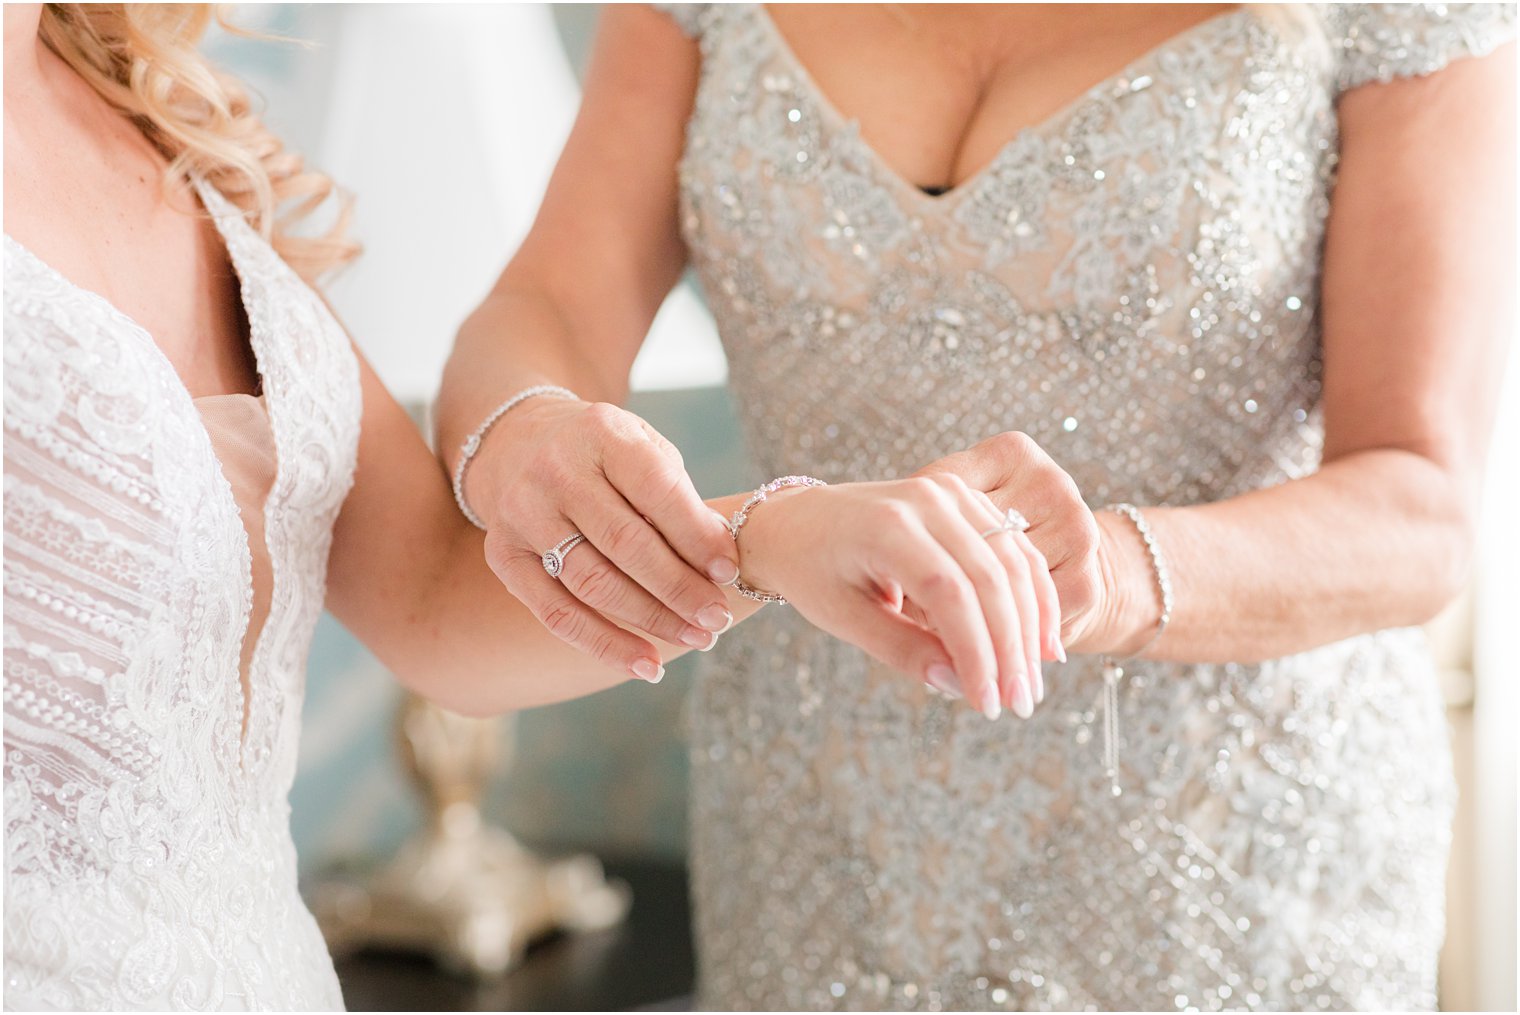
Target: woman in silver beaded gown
pixel 1134 281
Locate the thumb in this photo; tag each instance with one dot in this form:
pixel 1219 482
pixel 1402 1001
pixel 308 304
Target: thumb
pixel 893 640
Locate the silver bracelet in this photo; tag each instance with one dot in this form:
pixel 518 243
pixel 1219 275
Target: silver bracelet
pixel 1113 670
pixel 472 443
pixel 742 515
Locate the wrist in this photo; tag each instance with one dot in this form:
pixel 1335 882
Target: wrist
pixel 766 541
pixel 1131 609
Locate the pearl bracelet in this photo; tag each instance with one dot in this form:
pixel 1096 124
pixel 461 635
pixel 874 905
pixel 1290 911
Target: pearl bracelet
pixel 742 515
pixel 1113 670
pixel 472 443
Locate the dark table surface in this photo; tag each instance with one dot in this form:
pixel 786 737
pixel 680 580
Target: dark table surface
pixel 644 962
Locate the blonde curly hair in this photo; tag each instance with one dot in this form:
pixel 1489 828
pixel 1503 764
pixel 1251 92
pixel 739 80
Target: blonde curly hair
pixel 143 59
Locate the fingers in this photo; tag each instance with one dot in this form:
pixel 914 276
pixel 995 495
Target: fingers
pixel 601 471
pixel 936 581
pixel 568 618
pixel 1050 603
pixel 642 557
pixel 595 581
pixel 658 488
pixel 996 577
pixel 1046 597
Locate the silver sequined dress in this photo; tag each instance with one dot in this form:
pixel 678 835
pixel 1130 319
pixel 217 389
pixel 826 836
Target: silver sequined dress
pixel 1133 282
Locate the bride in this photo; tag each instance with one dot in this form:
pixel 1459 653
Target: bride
pixel 196 458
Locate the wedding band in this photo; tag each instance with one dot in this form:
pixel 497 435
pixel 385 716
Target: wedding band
pixel 554 560
pixel 1012 522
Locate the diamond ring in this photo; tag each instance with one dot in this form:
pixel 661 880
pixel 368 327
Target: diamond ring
pixel 1012 522
pixel 554 560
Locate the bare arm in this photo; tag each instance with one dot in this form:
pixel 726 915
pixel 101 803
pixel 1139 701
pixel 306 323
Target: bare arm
pixel 1418 301
pixel 572 309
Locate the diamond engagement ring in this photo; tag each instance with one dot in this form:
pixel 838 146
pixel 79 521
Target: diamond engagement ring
pixel 1012 522
pixel 554 560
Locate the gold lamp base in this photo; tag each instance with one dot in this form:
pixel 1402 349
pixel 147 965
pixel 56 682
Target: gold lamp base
pixel 465 892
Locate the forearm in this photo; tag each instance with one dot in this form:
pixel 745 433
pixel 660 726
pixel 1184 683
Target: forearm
pixel 519 336
pixel 473 648
pixel 1376 539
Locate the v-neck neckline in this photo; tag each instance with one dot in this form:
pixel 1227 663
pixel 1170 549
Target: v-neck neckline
pixel 91 295
pixel 850 126
pixel 214 206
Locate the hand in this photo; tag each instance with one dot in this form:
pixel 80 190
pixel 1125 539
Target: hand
pixel 653 551
pixel 859 560
pixel 1084 555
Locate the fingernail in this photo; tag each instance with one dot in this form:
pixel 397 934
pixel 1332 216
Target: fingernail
pixel 1039 684
pixel 645 670
pixel 715 619
pixel 1060 651
pixel 697 638
pixel 1023 705
pixel 991 707
pixel 942 679
pixel 723 571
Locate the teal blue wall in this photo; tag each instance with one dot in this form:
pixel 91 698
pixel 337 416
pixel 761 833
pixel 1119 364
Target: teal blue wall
pixel 606 772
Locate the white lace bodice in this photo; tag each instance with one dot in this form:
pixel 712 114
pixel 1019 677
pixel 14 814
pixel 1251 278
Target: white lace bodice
pixel 1133 281
pixel 148 854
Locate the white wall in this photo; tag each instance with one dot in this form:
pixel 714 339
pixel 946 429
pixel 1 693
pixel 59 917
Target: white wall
pixel 445 120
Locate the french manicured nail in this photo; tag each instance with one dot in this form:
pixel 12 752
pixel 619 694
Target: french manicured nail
pixel 991 707
pixel 942 679
pixel 1039 683
pixel 1036 677
pixel 1023 704
pixel 723 571
pixel 697 638
pixel 715 619
pixel 645 670
pixel 1060 651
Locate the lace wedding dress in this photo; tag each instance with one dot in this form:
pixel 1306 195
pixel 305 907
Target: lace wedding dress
pixel 148 858
pixel 1134 282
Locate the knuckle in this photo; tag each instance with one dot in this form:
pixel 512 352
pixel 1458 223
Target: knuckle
pixel 1013 443
pixel 659 622
pixel 663 480
pixel 596 584
pixel 625 538
pixel 603 417
pixel 947 587
pixel 602 647
pixel 1085 538
pixel 686 595
pixel 893 515
pixel 562 619
pixel 949 481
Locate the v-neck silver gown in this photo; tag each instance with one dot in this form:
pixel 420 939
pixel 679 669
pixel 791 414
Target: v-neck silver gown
pixel 1134 282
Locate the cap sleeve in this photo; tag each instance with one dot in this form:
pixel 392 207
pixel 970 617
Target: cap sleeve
pixel 689 18
pixel 1380 42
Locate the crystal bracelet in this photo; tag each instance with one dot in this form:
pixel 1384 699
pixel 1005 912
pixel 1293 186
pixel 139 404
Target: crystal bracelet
pixel 472 443
pixel 742 515
pixel 1113 670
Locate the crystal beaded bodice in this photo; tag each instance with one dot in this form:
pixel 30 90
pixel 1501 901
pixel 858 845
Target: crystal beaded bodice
pixel 148 854
pixel 1134 283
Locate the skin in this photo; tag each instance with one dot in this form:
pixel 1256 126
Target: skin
pixel 429 605
pixel 1416 307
